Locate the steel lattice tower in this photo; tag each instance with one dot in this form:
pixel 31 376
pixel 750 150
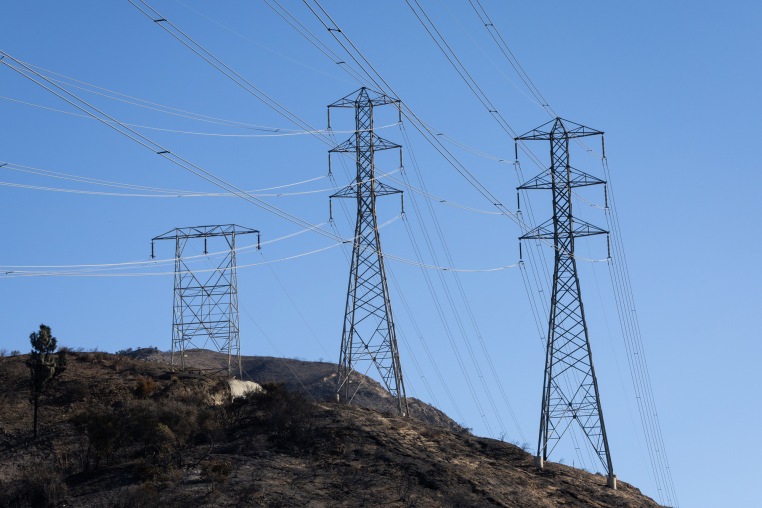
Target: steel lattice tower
pixel 568 356
pixel 206 308
pixel 368 337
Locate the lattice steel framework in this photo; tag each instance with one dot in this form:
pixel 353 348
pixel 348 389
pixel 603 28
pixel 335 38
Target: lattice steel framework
pixel 570 389
pixel 368 337
pixel 205 308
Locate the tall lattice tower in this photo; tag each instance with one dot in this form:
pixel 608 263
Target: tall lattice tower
pixel 368 337
pixel 570 389
pixel 205 309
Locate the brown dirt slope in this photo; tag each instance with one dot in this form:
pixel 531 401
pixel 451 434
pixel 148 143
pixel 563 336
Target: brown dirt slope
pixel 127 432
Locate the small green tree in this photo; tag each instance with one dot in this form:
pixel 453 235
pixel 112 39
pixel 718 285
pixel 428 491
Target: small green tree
pixel 44 366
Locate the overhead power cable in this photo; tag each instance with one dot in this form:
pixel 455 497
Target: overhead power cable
pixel 509 56
pixel 461 292
pixel 636 357
pixel 313 39
pixel 96 272
pixel 440 199
pixel 159 192
pixel 83 269
pixel 252 41
pixel 464 74
pixel 143 103
pixel 271 132
pixel 450 268
pixel 158 149
pixel 223 68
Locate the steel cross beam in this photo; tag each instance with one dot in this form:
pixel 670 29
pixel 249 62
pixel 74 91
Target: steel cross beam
pixel 368 337
pixel 206 310
pixel 570 388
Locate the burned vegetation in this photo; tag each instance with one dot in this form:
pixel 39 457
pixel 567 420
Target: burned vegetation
pixel 125 431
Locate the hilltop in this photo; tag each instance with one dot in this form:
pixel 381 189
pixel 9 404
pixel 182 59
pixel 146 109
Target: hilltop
pixel 126 431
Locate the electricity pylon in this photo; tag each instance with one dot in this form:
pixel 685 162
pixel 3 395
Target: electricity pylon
pixel 568 355
pixel 205 309
pixel 368 337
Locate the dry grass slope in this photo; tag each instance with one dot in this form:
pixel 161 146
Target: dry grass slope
pixel 125 431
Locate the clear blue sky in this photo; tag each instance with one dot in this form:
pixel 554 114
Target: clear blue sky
pixel 675 86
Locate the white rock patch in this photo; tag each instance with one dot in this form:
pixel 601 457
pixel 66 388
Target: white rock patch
pixel 240 388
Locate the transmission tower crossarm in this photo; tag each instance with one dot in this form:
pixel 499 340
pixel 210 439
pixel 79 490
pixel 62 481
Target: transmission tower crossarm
pixel 559 128
pixel 350 145
pixel 363 95
pixel 381 189
pixel 205 232
pixel 544 180
pixel 546 230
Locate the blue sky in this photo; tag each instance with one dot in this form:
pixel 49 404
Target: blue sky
pixel 674 86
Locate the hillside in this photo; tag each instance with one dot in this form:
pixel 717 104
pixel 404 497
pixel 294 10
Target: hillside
pixel 316 380
pixel 125 431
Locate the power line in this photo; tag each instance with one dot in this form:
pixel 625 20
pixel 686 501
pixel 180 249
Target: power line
pixel 271 132
pixel 158 149
pixel 162 192
pixel 246 38
pixel 146 104
pixel 223 68
pixel 636 356
pixel 509 56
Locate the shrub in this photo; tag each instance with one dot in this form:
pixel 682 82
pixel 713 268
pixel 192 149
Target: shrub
pixel 103 428
pixel 157 475
pixel 41 486
pixel 162 445
pixel 288 416
pixel 145 387
pixel 145 495
pixel 216 472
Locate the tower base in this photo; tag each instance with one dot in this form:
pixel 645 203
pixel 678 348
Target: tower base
pixel 539 463
pixel 611 481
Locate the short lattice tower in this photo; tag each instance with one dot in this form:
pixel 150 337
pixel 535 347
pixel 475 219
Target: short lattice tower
pixel 205 308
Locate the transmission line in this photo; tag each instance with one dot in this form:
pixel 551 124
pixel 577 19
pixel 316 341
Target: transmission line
pixel 143 103
pixel 158 149
pixel 223 68
pixel 271 132
pixel 636 356
pixel 509 56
